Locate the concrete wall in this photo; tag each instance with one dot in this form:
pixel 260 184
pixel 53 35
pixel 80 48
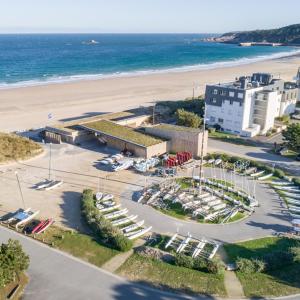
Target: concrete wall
pixel 181 140
pixel 158 149
pixel 139 151
pixel 134 121
pixel 71 137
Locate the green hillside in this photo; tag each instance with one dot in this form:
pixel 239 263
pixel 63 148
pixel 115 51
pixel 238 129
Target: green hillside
pixel 285 35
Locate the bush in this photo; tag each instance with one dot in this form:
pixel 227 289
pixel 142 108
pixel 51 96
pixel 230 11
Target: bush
pixel 215 266
pixel 200 264
pixel 122 243
pixel 279 173
pixel 188 119
pixel 109 234
pixel 13 261
pixel 249 266
pixel 183 260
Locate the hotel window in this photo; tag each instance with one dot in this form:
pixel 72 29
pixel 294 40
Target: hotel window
pixel 212 119
pixel 214 100
pixel 220 120
pixel 215 92
pixel 240 95
pixel 231 94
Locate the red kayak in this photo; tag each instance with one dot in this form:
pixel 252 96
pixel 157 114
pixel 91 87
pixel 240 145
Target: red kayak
pixel 44 226
pixel 38 226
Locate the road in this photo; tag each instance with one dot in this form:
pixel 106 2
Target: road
pixel 58 276
pixel 255 153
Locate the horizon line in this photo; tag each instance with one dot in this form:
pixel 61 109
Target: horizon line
pixel 133 33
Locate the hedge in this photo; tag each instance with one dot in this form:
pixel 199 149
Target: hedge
pixel 110 235
pixel 214 266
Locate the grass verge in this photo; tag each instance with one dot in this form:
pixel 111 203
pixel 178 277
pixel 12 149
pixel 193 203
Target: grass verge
pixel 166 276
pixel 85 247
pixel 230 138
pixel 275 283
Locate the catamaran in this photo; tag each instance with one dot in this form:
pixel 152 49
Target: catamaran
pixel 122 165
pixel 21 217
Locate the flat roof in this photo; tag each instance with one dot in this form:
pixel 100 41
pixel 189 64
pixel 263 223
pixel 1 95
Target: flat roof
pixel 123 133
pixel 171 127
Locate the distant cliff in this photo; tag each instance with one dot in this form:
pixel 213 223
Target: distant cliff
pixel 289 35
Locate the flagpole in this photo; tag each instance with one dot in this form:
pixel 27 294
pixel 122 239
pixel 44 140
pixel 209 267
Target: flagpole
pixel 202 151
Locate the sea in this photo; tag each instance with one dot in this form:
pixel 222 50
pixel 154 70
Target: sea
pixel 34 59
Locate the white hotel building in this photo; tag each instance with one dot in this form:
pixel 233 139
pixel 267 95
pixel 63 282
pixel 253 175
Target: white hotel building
pixel 249 105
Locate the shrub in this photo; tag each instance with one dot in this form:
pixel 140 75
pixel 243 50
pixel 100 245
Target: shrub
pixel 109 234
pixel 296 254
pixel 200 264
pixel 13 261
pixel 122 243
pixel 249 266
pixel 279 173
pixel 215 266
pixel 183 260
pixel 188 119
pixel 260 265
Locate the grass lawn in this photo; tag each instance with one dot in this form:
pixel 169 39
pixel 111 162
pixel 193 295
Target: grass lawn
pixel 237 217
pixel 174 210
pixel 167 276
pixel 83 246
pixel 281 282
pixel 6 291
pixel 185 183
pixel 14 147
pixel 231 138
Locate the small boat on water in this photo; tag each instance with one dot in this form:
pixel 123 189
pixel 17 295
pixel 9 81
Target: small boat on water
pixel 90 42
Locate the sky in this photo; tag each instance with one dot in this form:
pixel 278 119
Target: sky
pixel 145 16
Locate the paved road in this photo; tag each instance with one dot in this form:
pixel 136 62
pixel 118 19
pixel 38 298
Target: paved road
pixel 255 153
pixel 57 276
pixel 269 218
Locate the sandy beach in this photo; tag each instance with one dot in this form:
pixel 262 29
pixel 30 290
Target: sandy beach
pixel 28 107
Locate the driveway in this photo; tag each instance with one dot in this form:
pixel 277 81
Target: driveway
pixel 255 153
